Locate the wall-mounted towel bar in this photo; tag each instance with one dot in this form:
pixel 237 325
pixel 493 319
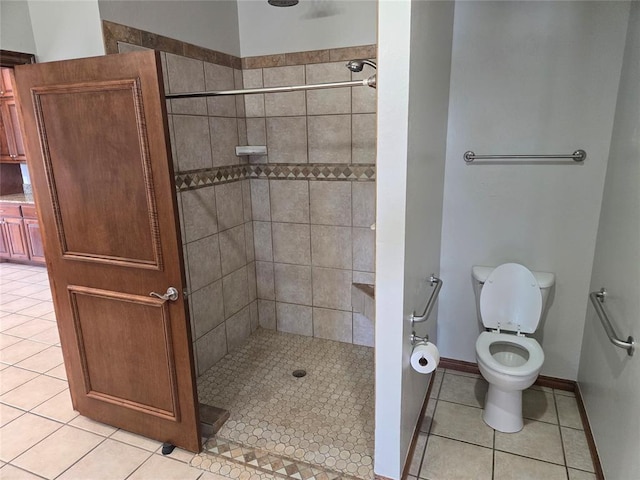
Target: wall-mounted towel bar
pixel 430 303
pixel 577 156
pixel 597 299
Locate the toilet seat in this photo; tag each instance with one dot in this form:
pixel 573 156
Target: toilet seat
pixel 532 365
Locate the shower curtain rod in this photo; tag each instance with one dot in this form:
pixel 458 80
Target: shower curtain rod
pixel 369 82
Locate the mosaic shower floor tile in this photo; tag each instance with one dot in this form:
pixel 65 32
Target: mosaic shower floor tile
pixel 319 426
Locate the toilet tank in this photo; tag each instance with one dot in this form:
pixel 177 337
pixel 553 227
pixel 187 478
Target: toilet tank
pixel 481 273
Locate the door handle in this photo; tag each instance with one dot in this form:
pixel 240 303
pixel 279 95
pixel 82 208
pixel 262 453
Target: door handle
pixel 172 294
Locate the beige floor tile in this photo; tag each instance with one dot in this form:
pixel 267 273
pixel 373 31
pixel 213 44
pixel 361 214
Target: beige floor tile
pixel 93 426
pixel 20 304
pixel 427 419
pixel 39 310
pixel 136 440
pixel 568 412
pixel 576 449
pixel 447 459
pixel 57 408
pixel 465 390
pixel 58 372
pixel 101 464
pixel 7 414
pixel 514 467
pixel 581 475
pixel 165 468
pixel 34 392
pixel 29 289
pixel 49 336
pixel 9 297
pixel 9 472
pixel 19 351
pixel 30 328
pixel 539 405
pixel 461 422
pixel 57 452
pixel 178 454
pixel 540 387
pixel 11 320
pixel 564 393
pixel 8 340
pixel 13 377
pixel 536 440
pixel 418 452
pixel 464 374
pixel 437 383
pixel 24 432
pixel 49 316
pixel 43 361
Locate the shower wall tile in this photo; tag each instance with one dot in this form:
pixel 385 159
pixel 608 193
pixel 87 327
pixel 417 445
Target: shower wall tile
pixel 284 104
pixel 172 140
pixel 287 139
pixel 332 288
pixel 363 330
pixel 330 203
pixel 238 84
pixel 293 283
pixel 219 77
pixel 238 328
pixel 204 261
pixel 192 141
pixel 256 131
pixel 331 246
pixel 210 348
pixel 290 200
pixel 233 249
pixel 329 101
pixel 330 139
pixel 186 75
pixel 364 204
pixel 246 200
pixel 332 325
pixel 235 291
pixel 254 104
pixel 199 213
pixel 242 132
pixel 296 319
pixel 265 281
pixel 229 205
pixel 208 309
pixel 224 138
pixel 363 146
pixel 263 241
pixel 249 245
pixel 251 281
pixel 363 249
pixel 260 203
pixel 291 243
pixel 363 99
pixel 255 319
pixel 267 314
pixel 283 76
pixel 364 277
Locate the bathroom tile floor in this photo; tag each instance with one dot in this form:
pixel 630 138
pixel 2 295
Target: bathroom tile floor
pixel 317 426
pixel 455 443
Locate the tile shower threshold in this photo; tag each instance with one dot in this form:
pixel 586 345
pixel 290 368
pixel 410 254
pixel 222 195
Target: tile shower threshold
pixel 319 426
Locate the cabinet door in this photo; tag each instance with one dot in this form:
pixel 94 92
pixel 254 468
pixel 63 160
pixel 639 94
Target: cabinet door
pixel 34 240
pixel 16 238
pixel 6 83
pixel 4 242
pixel 5 151
pixel 13 131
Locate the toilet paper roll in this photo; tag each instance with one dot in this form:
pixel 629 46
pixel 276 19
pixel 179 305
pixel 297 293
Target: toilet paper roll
pixel 425 357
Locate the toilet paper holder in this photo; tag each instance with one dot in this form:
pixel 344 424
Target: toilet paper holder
pixel 417 340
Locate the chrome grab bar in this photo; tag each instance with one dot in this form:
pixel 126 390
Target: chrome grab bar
pixel 430 303
pixel 577 156
pixel 597 299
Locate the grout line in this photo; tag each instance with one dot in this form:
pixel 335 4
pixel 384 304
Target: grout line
pixel 493 463
pixel 564 453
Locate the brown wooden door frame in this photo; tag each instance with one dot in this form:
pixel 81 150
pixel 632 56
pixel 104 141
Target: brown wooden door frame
pixel 111 236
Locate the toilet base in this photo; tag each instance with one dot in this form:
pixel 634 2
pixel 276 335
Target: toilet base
pixel 503 409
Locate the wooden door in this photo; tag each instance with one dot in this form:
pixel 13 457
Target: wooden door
pixel 96 134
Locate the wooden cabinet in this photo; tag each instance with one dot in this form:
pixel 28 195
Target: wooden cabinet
pixel 20 238
pixel 11 141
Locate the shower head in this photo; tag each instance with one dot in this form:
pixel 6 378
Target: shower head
pixel 358 65
pixel 283 3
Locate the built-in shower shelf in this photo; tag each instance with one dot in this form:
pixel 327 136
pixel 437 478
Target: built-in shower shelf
pixel 246 150
pixel 363 300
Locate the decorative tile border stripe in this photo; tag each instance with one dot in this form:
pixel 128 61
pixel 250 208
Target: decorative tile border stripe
pixel 311 56
pixel 260 461
pixel 194 179
pixel 113 33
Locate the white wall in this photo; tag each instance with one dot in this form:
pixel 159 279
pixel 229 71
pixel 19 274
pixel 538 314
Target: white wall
pixel 528 77
pixel 310 25
pixel 414 57
pixel 16 33
pixel 608 378
pixel 64 29
pixel 209 24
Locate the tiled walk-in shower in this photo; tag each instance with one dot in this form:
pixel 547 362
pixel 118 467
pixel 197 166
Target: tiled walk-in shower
pixel 320 425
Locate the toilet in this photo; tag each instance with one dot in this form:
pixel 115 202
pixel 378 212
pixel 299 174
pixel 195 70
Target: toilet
pixel 510 299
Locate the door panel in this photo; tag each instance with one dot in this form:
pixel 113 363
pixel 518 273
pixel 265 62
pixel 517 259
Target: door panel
pixel 96 136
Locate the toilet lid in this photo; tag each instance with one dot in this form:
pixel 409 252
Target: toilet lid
pixel 510 299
